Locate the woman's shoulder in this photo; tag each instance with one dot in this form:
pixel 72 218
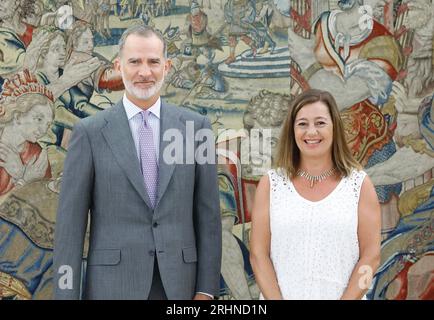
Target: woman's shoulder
pixel 356 178
pixel 277 176
pixel 356 174
pixel 272 174
pixel 277 172
pixel 268 179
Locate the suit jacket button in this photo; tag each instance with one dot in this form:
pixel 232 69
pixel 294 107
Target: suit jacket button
pixel 151 253
pixel 155 224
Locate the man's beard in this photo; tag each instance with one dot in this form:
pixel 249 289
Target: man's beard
pixel 143 94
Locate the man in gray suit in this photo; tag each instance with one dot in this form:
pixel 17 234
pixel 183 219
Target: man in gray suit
pixel 155 230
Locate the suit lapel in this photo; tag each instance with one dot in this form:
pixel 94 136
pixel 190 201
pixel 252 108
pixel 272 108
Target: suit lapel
pixel 170 119
pixel 118 136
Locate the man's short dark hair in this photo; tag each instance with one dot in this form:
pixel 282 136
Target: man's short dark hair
pixel 143 31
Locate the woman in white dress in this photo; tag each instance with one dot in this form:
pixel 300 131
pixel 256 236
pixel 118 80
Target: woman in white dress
pixel 316 221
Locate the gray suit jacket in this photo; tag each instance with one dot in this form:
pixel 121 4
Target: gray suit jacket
pixel 102 176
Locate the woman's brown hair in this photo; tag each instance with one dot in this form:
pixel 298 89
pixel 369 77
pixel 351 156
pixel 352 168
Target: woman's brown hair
pixel 288 154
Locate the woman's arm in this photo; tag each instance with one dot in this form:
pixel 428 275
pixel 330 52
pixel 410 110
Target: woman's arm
pixel 369 234
pixel 260 243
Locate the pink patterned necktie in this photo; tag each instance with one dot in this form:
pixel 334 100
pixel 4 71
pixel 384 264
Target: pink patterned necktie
pixel 148 158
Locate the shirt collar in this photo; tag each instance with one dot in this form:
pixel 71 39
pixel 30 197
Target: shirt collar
pixel 131 109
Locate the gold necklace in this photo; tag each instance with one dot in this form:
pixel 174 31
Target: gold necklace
pixel 314 179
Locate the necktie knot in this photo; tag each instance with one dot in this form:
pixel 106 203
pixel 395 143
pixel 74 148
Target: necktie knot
pixel 145 117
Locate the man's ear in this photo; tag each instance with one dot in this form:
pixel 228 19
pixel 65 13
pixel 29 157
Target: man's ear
pixel 117 64
pixel 167 66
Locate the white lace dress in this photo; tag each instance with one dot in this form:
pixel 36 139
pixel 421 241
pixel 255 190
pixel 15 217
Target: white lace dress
pixel 314 245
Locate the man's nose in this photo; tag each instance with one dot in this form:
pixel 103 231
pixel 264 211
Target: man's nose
pixel 144 71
